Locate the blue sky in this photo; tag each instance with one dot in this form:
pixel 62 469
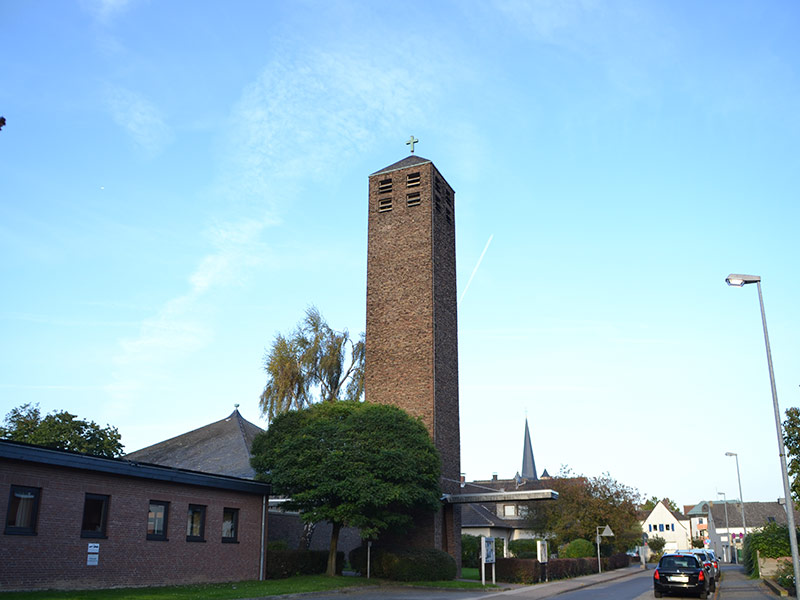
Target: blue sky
pixel 179 180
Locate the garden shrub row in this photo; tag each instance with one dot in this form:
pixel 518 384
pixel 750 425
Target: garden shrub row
pixel 528 570
pixel 288 563
pixel 405 564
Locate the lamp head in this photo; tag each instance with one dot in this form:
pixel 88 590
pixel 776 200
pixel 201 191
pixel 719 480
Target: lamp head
pixel 730 454
pixel 740 280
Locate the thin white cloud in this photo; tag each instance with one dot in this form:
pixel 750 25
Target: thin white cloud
pixel 299 119
pixel 182 325
pixel 303 116
pixel 105 10
pixel 139 117
pixel 547 20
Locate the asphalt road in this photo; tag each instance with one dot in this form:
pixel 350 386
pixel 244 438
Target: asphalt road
pixel 634 585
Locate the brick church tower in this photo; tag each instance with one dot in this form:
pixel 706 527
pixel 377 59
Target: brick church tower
pixel 412 333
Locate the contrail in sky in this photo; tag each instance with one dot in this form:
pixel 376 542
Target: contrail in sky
pixel 475 270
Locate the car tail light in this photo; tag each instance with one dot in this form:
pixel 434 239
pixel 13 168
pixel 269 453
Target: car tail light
pixel 656 576
pixel 701 576
pixel 716 565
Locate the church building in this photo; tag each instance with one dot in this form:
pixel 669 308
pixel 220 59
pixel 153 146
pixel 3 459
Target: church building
pixel 412 327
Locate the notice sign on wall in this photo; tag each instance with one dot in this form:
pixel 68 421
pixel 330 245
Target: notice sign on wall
pixel 93 556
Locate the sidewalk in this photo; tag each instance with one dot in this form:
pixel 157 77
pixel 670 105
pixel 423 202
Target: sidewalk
pixel 736 585
pixel 560 586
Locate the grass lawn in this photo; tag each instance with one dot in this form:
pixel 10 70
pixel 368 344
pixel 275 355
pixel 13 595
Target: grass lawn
pixel 230 591
pixel 211 591
pixel 471 573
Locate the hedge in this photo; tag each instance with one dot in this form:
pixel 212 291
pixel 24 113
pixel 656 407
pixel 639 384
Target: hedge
pixel 287 563
pixel 405 564
pixel 527 570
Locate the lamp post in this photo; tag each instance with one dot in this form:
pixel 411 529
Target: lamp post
pixel 739 281
pixel 727 527
pixel 741 498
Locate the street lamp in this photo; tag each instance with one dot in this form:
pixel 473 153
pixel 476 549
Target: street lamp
pixel 741 498
pixel 727 527
pixel 739 281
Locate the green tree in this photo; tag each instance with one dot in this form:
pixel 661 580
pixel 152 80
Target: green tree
pixel 651 502
pixel 656 544
pixel 584 504
pixel 310 364
pixel 61 430
pixel 791 438
pixel 353 464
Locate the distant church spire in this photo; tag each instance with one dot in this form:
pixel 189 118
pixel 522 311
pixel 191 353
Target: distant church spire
pixel 528 465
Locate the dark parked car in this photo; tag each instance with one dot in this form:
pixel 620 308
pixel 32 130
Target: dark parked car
pixel 680 573
pixel 709 562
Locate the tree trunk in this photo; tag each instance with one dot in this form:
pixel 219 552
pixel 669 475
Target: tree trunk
pixel 332 554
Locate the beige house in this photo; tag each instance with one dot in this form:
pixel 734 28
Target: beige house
pixel 672 526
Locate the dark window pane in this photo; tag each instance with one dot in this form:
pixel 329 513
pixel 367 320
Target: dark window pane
pixel 95 514
pixel 230 522
pixel 23 509
pixel 157 520
pixel 196 523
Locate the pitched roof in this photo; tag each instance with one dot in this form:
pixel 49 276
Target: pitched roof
pixel 528 464
pixel 222 448
pixel 127 468
pixel 408 161
pixel 480 515
pixel 757 514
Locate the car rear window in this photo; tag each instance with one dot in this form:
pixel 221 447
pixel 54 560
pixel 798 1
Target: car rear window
pixel 679 562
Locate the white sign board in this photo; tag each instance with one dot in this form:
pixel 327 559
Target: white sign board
pixel 92 560
pixel 541 551
pixel 93 548
pixel 487 554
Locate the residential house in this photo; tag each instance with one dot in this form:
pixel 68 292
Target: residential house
pixel 670 525
pixel 726 532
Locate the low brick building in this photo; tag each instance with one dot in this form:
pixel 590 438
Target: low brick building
pixel 75 521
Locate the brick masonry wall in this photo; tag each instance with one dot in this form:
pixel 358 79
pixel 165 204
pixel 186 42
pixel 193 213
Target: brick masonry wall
pixel 412 327
pixel 56 557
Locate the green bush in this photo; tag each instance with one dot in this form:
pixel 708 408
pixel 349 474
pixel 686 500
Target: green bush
pixel 470 551
pixel 518 546
pixel 406 564
pixel 287 563
pixel 771 542
pixel 785 576
pixel 578 549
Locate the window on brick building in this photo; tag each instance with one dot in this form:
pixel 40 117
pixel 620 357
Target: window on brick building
pixel 95 516
pixel 384 205
pixel 196 523
pixel 230 525
pixel 157 516
pixel 413 199
pixel 385 186
pixel 23 510
pixel 412 179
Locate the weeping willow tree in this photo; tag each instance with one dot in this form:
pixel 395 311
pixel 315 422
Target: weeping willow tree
pixel 314 363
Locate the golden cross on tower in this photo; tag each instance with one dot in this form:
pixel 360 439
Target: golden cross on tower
pixel 411 141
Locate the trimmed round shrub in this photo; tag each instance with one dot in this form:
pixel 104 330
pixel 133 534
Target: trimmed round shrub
pixel 405 564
